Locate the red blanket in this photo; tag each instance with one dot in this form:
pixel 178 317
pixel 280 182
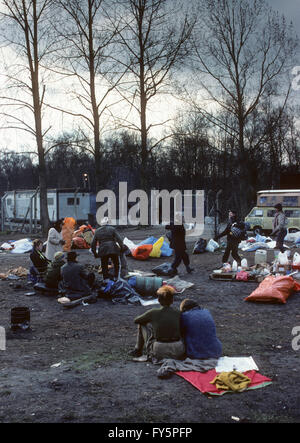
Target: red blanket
pixel 201 380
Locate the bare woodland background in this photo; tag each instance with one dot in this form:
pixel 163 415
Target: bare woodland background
pixel 229 63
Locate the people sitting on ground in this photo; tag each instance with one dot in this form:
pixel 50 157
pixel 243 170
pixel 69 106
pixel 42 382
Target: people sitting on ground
pixel 232 241
pixel 110 247
pixel 177 243
pixel 198 331
pixel 159 330
pixel 53 273
pixel 39 262
pixel 74 277
pixel 55 241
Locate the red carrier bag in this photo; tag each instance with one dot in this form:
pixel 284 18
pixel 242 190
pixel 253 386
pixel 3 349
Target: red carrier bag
pixel 274 289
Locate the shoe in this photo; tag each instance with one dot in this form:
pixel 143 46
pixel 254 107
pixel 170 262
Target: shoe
pixel 189 270
pixel 135 353
pixel 142 358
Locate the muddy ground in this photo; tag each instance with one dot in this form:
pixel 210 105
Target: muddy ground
pixel 96 381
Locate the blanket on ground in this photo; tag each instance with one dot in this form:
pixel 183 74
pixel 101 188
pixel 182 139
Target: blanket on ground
pixel 203 381
pixel 169 365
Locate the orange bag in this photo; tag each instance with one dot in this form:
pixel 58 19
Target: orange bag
pixel 142 252
pixel 67 232
pixel 274 289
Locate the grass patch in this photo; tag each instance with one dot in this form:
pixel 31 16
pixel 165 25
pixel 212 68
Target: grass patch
pixel 92 360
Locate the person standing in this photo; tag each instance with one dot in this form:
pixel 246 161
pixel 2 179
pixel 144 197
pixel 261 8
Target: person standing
pixel 55 241
pixel 110 247
pixel 232 241
pixel 177 243
pixel 280 223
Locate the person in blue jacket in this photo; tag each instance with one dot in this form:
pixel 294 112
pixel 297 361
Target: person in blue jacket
pixel 199 331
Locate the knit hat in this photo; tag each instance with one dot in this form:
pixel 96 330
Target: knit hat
pixel 59 255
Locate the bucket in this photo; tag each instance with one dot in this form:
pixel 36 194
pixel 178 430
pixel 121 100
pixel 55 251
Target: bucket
pixel 20 318
pixel 260 256
pixel 148 285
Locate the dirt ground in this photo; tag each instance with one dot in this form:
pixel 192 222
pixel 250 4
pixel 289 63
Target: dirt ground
pixel 96 381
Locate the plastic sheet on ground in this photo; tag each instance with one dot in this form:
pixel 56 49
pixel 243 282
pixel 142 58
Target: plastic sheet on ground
pixel 19 246
pixel 241 364
pixel 247 246
pixel 178 284
pixel 292 236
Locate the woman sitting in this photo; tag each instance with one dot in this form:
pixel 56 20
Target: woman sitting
pixel 39 262
pixel 159 329
pixel 199 331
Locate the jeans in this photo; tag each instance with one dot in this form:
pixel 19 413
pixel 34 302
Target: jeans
pixel 280 238
pixel 180 256
pixel 232 247
pixel 104 264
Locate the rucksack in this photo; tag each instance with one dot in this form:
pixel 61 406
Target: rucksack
pixel 238 231
pixel 200 246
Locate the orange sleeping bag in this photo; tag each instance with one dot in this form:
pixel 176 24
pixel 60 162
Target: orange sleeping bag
pixel 274 289
pixel 67 232
pixel 142 252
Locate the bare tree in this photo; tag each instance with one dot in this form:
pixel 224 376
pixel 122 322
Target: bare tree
pixel 241 51
pixel 153 36
pixel 30 38
pixel 86 44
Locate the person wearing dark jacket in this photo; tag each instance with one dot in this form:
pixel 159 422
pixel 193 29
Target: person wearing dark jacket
pixel 280 223
pixel 39 261
pixel 53 273
pixel 177 243
pixel 110 247
pixel 199 331
pixel 159 329
pixel 74 277
pixel 232 241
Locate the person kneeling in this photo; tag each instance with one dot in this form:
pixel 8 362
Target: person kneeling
pixel 159 330
pixel 199 331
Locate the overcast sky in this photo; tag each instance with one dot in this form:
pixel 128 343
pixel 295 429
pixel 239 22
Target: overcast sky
pixel 290 8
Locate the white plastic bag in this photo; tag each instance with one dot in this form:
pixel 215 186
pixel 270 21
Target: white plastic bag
pixel 212 245
pixel 296 259
pixel 283 258
pixel 244 263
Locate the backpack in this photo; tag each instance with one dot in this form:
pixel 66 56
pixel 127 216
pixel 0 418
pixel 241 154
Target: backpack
pixel 200 246
pixel 238 231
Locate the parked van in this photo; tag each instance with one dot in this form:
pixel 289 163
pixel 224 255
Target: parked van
pixel 261 217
